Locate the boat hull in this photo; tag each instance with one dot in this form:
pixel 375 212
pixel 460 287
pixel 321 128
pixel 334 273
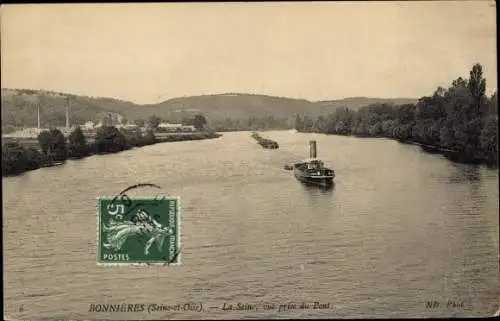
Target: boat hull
pixel 322 181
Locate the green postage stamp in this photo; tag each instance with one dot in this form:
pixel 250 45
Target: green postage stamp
pixel 138 231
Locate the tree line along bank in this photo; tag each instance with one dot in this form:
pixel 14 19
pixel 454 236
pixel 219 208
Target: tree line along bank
pixel 460 121
pixel 54 147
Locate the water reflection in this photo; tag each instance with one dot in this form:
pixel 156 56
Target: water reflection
pixel 464 173
pixel 319 190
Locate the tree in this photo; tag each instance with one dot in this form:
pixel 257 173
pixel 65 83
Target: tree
pixel 470 111
pixel 430 108
pixel 440 91
pixel 53 144
pixel 298 123
pixel 405 113
pixel 44 140
pixel 199 122
pixel 58 148
pixel 33 157
pixel 76 137
pixel 77 144
pixel 489 139
pixel 493 106
pixel 387 127
pixel 447 135
pixel 459 83
pixel 109 139
pixel 150 137
pixel 107 120
pixel 154 121
pixel 477 88
pixel 307 124
pixel 139 122
pixel 17 159
pixel 319 124
pixel 341 128
pixel 187 121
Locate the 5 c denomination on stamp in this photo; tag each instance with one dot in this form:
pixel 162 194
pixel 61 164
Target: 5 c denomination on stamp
pixel 139 231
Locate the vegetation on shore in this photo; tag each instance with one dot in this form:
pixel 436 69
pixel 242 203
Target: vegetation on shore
pixel 55 148
pixel 461 121
pixel 253 123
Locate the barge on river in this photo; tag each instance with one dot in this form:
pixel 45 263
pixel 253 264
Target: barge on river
pixel 264 142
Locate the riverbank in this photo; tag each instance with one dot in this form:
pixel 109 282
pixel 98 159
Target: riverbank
pixel 452 155
pixel 179 137
pixel 19 157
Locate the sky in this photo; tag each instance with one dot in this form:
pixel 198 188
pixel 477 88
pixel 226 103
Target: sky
pixel 147 53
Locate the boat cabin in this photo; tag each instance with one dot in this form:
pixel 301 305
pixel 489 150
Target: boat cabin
pixel 315 164
pixel 311 164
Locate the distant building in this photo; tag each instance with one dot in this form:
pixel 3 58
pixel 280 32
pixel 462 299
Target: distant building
pixel 167 127
pixel 128 126
pixel 26 133
pixel 66 131
pixel 90 125
pixel 99 124
pixel 188 128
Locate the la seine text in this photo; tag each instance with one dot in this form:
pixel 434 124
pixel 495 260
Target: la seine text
pixel 239 307
pixel 280 307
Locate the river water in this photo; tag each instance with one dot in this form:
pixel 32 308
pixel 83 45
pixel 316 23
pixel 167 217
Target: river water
pixel 400 228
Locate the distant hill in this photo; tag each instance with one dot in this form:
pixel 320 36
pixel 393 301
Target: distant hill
pixel 355 103
pixel 242 106
pixel 19 107
pixel 236 106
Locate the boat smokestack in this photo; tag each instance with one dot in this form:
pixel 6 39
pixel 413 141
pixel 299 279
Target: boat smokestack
pixel 312 149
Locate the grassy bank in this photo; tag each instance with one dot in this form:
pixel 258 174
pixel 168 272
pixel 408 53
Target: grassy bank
pixel 19 156
pixel 179 137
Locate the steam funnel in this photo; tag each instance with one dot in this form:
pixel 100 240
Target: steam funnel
pixel 312 149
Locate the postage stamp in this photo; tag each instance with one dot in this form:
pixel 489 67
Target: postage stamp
pixel 138 231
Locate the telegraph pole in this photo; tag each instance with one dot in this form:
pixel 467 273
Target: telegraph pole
pixel 38 113
pixel 67 112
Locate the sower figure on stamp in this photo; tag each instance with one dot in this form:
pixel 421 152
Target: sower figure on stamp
pixel 118 232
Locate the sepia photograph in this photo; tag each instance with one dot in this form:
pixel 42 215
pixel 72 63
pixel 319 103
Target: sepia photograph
pixel 250 160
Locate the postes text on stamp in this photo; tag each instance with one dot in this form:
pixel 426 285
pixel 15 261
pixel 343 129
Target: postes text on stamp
pixel 138 230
